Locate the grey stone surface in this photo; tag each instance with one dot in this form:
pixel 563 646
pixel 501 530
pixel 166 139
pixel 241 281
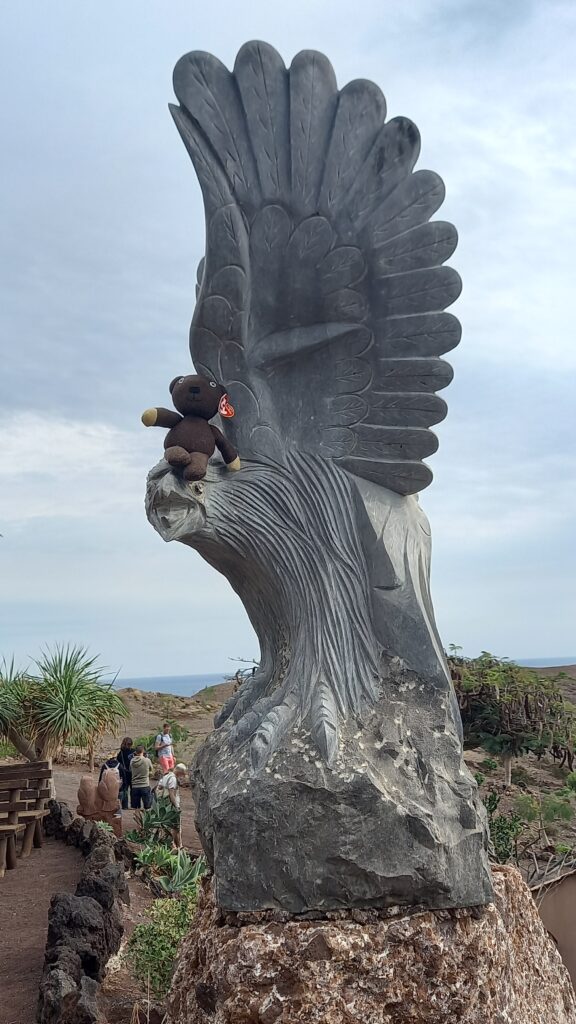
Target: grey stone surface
pixel 301 805
pixel 392 822
pixel 322 294
pixel 320 306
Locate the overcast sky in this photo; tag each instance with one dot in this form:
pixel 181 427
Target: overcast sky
pixel 101 232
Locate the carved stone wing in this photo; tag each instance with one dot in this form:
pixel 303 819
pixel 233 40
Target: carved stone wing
pixel 322 294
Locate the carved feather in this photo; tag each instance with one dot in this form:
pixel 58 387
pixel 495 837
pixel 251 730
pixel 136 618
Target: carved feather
pixel 427 245
pixel 360 114
pixel 270 732
pixel 324 722
pixel 263 83
pixel 320 254
pixel 390 161
pixel 424 335
pixel 413 202
pixel 211 175
pixel 205 87
pixel 313 99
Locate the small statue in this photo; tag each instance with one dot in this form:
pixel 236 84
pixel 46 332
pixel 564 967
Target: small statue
pixel 191 441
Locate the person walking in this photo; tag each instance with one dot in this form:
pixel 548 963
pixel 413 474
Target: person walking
pixel 140 793
pixel 169 788
pixel 165 749
pixel 125 755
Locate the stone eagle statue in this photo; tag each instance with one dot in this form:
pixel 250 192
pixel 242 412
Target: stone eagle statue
pixel 321 309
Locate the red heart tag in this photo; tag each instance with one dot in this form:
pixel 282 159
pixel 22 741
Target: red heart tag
pixel 224 408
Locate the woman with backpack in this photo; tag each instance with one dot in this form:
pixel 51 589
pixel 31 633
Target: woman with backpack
pixel 125 755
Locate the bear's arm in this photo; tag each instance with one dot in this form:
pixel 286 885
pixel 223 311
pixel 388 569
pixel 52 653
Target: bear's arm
pixel 227 450
pixel 160 418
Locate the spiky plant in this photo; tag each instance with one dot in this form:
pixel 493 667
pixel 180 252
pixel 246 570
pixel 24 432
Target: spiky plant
pixel 68 702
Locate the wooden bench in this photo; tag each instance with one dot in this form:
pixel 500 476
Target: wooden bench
pixel 24 790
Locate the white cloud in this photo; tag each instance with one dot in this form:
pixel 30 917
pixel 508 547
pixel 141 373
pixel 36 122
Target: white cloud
pixel 67 469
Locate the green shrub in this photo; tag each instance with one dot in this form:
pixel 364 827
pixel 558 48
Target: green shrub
pixel 505 830
pixel 520 777
pixel 480 778
pixel 510 710
pixel 174 871
pixel 571 780
pixel 152 947
pixel 488 764
pixel 156 824
pixel 556 808
pixel 185 874
pixel 105 827
pixel 528 807
pixel 156 859
pixel 207 693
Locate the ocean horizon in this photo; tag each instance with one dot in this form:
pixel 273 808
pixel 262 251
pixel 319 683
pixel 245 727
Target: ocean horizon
pixel 189 685
pixel 180 686
pixel 545 662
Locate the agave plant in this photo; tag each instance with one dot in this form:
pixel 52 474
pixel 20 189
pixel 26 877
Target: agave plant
pixel 68 701
pixel 156 824
pixel 186 875
pixel 157 859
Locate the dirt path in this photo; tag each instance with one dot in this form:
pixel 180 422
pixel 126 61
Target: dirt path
pixel 67 778
pixel 25 895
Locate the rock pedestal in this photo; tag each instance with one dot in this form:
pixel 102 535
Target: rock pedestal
pixel 490 965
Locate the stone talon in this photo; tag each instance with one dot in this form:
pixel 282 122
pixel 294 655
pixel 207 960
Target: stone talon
pixel 235 464
pixel 149 417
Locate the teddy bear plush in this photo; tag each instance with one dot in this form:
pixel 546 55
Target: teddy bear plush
pixel 191 439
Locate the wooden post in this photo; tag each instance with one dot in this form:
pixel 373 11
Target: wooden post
pixel 28 839
pixel 11 859
pixel 3 843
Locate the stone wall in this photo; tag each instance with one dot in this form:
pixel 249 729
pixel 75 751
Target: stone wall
pixel 85 929
pixel 491 965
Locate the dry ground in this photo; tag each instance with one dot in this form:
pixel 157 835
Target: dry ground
pixel 25 895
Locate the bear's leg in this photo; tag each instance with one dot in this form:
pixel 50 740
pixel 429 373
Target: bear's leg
pixel 197 466
pixel 177 456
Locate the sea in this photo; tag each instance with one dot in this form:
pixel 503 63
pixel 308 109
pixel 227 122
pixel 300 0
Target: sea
pixel 545 662
pixel 181 686
pixel 187 686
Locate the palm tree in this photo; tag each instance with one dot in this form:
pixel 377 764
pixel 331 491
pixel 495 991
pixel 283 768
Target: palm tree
pixel 68 702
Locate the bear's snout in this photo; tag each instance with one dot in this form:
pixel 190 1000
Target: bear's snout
pixel 194 391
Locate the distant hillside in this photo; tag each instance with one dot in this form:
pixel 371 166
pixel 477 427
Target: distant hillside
pixel 568 684
pixel 148 710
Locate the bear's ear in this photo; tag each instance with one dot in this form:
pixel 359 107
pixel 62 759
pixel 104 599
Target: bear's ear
pixel 174 383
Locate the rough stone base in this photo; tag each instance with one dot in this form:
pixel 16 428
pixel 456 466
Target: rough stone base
pixel 395 821
pixel 490 965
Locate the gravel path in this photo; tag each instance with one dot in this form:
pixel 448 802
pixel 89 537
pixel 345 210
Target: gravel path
pixel 25 895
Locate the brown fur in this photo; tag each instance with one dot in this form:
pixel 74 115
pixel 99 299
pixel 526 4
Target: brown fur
pixel 191 440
